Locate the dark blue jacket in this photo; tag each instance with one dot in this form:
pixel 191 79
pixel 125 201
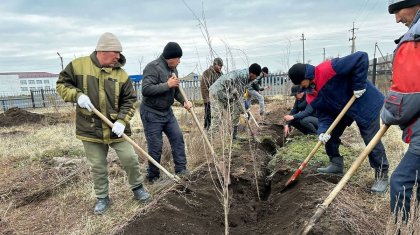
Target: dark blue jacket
pixel 333 83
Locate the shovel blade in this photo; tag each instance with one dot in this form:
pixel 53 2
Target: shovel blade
pixel 292 180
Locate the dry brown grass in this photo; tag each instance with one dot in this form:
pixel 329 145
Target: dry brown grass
pixel 69 208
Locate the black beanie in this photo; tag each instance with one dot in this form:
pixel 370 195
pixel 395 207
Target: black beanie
pixel 265 70
pixel 396 5
pixel 297 73
pixel 172 50
pixel 255 69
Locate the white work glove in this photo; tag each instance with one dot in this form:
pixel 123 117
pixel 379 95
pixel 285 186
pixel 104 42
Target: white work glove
pixel 84 102
pixel 324 137
pixel 246 115
pixel 359 93
pixel 118 129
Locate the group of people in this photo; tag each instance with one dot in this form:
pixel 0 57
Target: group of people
pixel 330 85
pixel 99 82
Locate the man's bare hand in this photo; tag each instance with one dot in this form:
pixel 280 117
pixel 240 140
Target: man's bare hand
pixel 288 117
pixel 188 105
pixel 173 81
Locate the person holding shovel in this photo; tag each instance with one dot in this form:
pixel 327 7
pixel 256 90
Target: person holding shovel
pixel 210 75
pixel 226 94
pixel 99 81
pixel 159 90
pixel 330 85
pixel 402 104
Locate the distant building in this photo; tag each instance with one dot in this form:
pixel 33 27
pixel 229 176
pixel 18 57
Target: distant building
pixel 136 78
pixel 26 81
pixel 191 77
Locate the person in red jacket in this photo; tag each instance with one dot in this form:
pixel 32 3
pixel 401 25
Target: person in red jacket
pixel 329 86
pixel 402 104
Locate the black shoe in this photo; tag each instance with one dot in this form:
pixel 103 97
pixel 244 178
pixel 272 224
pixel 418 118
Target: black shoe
pixel 141 194
pixel 102 204
pixel 152 179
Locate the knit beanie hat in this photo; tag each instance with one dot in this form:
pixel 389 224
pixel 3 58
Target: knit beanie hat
pixel 265 70
pixel 297 73
pixel 172 50
pixel 108 42
pixel 395 5
pixel 255 69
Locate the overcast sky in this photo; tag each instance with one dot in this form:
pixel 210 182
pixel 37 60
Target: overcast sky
pixel 267 32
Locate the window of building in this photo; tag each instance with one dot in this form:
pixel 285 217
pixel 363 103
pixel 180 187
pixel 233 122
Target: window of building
pixel 32 88
pixel 47 87
pixel 31 81
pixel 39 88
pixel 38 81
pixel 24 89
pixel 46 81
pixel 23 82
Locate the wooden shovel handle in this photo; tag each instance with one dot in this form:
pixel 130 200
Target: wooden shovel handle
pixel 144 153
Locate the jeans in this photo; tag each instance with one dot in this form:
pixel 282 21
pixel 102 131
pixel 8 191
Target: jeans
pixel 402 181
pixel 154 125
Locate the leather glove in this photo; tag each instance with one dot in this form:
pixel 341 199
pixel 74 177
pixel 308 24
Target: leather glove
pixel 84 102
pixel 324 137
pixel 359 93
pixel 118 129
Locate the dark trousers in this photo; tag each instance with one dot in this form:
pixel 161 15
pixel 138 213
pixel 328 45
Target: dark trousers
pixel 377 157
pixel 154 125
pixel 402 181
pixel 307 125
pixel 207 115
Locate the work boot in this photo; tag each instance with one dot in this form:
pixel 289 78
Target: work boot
pixel 381 182
pixel 331 169
pixel 141 194
pixel 102 204
pixel 185 173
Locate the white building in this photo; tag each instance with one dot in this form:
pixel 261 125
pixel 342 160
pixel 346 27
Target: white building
pixel 26 81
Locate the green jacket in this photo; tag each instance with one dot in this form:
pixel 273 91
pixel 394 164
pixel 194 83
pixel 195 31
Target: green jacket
pixel 110 91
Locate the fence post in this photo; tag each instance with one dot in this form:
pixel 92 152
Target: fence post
pixel 4 105
pixel 374 71
pixel 33 99
pixel 43 99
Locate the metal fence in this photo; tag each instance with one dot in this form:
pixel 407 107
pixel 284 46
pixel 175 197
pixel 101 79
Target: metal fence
pixel 278 83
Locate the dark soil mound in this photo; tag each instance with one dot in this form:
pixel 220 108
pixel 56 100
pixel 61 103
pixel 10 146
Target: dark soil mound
pixel 257 205
pixel 16 116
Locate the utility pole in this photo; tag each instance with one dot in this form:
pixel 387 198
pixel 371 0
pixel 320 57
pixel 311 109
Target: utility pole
pixel 61 59
pixel 303 48
pixel 140 62
pixel 324 53
pixel 353 39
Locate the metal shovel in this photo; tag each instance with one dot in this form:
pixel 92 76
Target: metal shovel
pixel 356 164
pixel 294 177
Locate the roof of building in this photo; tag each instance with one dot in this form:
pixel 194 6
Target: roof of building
pixel 31 74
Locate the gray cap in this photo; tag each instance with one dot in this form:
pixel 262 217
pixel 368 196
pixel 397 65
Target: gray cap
pixel 295 90
pixel 108 42
pixel 218 61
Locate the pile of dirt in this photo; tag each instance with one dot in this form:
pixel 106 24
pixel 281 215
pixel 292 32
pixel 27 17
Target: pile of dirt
pixel 257 205
pixel 16 117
